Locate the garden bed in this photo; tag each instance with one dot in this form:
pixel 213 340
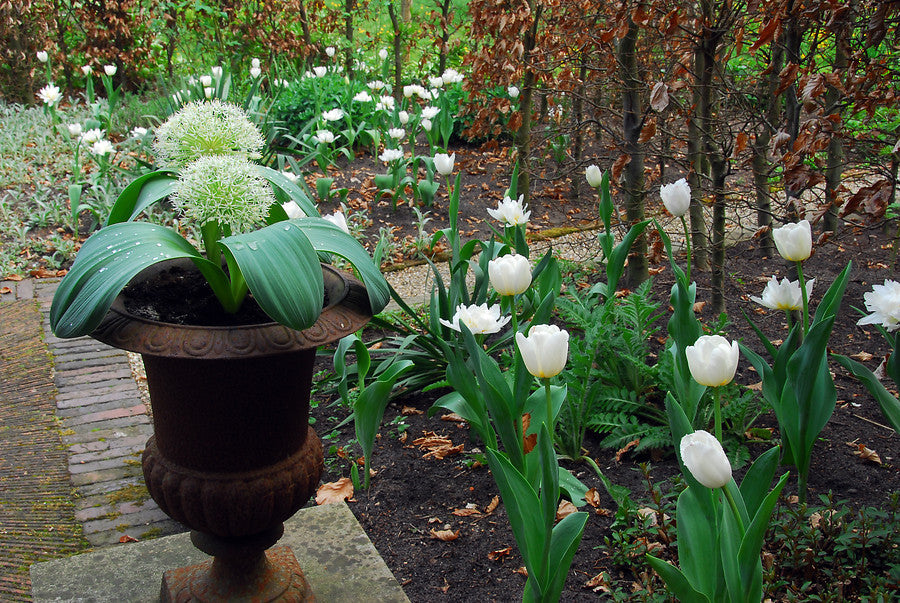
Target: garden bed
pixel 416 499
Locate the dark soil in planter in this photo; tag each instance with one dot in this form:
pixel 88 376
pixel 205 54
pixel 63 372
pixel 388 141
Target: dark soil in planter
pixel 413 495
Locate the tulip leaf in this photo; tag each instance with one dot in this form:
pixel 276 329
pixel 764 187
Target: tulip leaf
pixel 107 261
pixel 522 507
pixel 729 545
pixel 616 264
pixel 696 517
pixel 363 361
pixel 889 404
pixel 831 301
pixel 756 482
pixel 680 426
pixel 536 405
pixel 676 581
pixel 564 541
pixel 752 542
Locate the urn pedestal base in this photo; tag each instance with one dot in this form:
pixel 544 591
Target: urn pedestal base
pixel 276 577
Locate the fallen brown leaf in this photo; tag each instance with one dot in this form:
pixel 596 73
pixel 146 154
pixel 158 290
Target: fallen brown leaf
pixel 409 410
pixel 13 277
pixel 453 417
pixel 495 502
pixel 500 554
pixel 334 492
pixel 599 583
pixel 522 571
pixel 565 509
pixel 5 290
pixel 127 538
pixel 444 535
pixel 466 512
pixel 437 446
pixel 621 451
pixel 592 497
pixel 865 453
pixel 698 306
pixel 862 356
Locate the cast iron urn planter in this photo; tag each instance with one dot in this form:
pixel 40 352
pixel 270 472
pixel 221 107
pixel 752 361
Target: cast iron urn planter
pixel 233 456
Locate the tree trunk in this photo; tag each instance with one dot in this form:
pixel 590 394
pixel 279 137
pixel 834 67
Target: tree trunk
pixel 398 58
pixel 578 143
pixel 445 35
pixel 350 51
pixel 718 163
pixel 523 136
pixel 834 162
pixel 792 40
pixel 699 238
pixel 406 10
pixel 636 271
pixel 762 166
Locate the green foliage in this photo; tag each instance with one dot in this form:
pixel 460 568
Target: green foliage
pixel 304 100
pixel 613 388
pixel 834 552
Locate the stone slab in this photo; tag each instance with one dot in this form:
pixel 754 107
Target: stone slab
pixel 338 559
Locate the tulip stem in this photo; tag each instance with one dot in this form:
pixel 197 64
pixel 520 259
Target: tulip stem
pixel 789 325
pixel 550 417
pixel 803 296
pixel 734 509
pixel 687 246
pixel 717 397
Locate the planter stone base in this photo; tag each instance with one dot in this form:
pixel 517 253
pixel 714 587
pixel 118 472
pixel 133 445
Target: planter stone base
pixel 337 558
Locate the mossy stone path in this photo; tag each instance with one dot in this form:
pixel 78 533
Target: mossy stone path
pixel 72 428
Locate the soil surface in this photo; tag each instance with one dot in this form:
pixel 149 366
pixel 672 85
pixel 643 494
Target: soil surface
pixel 415 497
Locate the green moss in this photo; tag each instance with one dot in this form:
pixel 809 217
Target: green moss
pixel 133 493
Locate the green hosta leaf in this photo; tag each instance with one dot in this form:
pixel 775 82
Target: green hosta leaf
pixel 282 271
pixel 288 188
pixel 327 237
pixel 141 194
pixel 106 262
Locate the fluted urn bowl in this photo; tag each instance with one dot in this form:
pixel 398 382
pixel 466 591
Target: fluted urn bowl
pixel 233 456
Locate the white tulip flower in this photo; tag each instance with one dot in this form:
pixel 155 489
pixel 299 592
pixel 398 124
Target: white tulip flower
pixel 74 130
pixel 293 210
pixel 254 64
pixel 513 92
pixel 430 112
pixel 785 295
pixel 110 70
pixel 794 241
pixel 338 219
pixel 87 69
pixel 396 133
pixel 676 197
pixel 50 94
pixel 208 92
pixel 138 132
pixel 712 360
pixel 545 350
pixel 320 71
pixel 705 458
pixel 510 212
pixel 593 175
pixel 383 54
pixel 481 319
pixel 883 301
pixel 324 136
pixel 255 72
pixel 91 136
pixel 329 50
pixel 443 163
pixel 391 155
pixel 363 97
pixel 216 71
pixel 426 124
pixel 206 81
pixel 333 115
pixel 510 274
pixel 42 56
pixel 102 148
pixel 403 116
pixel 452 76
pixel 375 85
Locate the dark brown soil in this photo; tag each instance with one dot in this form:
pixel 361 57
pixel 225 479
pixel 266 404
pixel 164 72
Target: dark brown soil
pixel 412 495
